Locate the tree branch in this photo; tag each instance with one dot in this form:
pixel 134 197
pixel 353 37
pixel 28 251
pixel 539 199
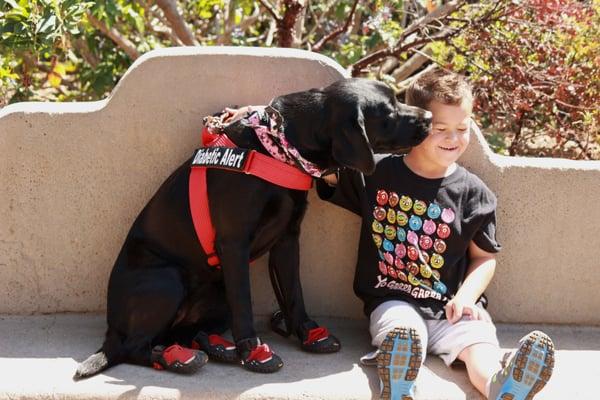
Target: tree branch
pixel 228 23
pixel 285 25
pixel 270 9
pixel 378 55
pixel 125 44
pixel 83 49
pixel 317 47
pixel 183 32
pixel 250 20
pixel 512 149
pixel 271 32
pixel 437 16
pixel 164 30
pixel 415 27
pixel 299 25
pixel 412 64
pixel 317 18
pixel 438 13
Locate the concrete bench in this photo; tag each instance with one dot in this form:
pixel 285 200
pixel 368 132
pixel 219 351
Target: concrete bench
pixel 75 175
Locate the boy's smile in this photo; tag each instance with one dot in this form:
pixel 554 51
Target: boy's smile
pixel 447 140
pixel 448 148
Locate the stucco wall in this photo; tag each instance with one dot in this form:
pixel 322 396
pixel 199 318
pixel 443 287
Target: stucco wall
pixel 74 176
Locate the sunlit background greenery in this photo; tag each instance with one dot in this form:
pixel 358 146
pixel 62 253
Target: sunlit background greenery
pixel 534 63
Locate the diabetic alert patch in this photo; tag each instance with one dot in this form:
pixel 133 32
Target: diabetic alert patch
pixel 221 157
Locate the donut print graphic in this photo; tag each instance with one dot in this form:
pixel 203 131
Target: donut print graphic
pixel 411 235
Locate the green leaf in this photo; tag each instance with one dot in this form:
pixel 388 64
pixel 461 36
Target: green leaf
pixel 45 25
pixel 12 3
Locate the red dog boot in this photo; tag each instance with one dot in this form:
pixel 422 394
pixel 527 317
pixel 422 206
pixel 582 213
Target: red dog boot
pixel 317 339
pixel 217 348
pixel 178 359
pixel 313 338
pixel 256 356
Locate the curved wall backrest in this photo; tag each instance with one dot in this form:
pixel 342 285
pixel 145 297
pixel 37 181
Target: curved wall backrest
pixel 75 175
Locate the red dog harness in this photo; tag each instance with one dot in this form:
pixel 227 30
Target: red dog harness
pixel 220 152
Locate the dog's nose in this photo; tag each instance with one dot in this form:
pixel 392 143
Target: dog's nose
pixel 426 120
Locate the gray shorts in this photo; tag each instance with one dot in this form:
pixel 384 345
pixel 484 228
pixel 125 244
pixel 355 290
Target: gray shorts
pixel 439 337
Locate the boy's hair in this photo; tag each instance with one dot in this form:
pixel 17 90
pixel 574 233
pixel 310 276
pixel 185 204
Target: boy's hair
pixel 444 86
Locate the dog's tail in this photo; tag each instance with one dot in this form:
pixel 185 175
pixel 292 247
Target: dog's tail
pixel 94 364
pixel 104 358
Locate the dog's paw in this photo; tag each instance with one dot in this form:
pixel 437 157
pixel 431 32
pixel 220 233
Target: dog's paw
pixel 178 359
pixel 217 348
pixel 319 340
pixel 256 356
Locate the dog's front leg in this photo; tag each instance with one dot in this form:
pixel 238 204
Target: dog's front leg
pixel 284 263
pixel 235 264
pixel 254 355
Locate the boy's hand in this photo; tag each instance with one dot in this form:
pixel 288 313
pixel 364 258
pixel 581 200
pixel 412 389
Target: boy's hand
pixel 479 273
pixel 234 114
pixel 456 309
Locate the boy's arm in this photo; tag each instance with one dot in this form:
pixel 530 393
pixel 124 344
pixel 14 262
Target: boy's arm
pixel 343 189
pixel 479 274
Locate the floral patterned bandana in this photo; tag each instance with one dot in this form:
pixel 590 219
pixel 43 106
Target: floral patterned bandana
pixel 267 123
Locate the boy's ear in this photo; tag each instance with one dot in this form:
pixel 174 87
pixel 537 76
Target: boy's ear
pixel 350 144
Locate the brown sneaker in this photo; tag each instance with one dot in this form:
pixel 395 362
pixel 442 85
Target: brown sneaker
pixel 527 372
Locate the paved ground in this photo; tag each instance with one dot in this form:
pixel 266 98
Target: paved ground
pixel 38 355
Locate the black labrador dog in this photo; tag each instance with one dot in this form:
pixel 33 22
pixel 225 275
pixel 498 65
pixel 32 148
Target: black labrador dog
pixel 162 291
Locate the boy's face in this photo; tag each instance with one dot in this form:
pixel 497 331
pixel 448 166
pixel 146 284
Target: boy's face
pixel 449 135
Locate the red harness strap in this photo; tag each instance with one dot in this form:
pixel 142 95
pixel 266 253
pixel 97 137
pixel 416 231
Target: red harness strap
pixel 256 164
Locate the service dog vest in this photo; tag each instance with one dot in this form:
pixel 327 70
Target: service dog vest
pixel 220 152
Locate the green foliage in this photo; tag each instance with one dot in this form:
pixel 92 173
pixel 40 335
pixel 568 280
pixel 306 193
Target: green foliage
pixel 536 75
pixel 39 26
pixel 535 70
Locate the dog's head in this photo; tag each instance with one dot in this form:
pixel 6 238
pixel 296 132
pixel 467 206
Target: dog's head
pixel 365 118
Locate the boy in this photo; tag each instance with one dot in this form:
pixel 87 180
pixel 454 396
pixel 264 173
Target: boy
pixel 426 254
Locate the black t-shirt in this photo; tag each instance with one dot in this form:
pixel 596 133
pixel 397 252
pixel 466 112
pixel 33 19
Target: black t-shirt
pixel 415 232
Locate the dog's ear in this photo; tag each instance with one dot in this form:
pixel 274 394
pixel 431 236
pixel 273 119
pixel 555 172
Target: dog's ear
pixel 350 144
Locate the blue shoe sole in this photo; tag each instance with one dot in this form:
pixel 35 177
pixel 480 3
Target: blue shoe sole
pixel 531 368
pixel 398 363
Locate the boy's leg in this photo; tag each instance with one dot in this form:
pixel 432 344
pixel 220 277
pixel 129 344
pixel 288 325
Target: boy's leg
pixel 482 361
pixel 475 343
pixel 393 314
pixel 401 335
pixel 472 341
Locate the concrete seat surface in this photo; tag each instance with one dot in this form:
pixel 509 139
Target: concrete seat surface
pixel 39 354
